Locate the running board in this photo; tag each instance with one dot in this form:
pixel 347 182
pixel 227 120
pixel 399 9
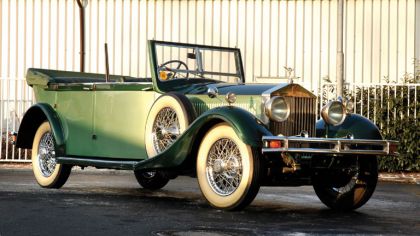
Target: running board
pixel 98 162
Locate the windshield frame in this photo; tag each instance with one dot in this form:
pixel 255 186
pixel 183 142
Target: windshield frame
pixel 179 84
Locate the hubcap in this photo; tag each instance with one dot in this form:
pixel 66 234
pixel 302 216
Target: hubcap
pixel 46 155
pixel 165 129
pixel 224 167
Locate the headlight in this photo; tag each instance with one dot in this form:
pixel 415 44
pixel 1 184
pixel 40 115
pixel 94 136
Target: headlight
pixel 277 109
pixel 334 113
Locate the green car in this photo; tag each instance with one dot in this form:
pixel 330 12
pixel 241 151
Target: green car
pixel 197 116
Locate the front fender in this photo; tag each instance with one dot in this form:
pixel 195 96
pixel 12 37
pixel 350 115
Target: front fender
pixel 32 119
pixel 358 126
pixel 249 129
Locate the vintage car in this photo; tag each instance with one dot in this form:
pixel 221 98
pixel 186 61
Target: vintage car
pixel 197 116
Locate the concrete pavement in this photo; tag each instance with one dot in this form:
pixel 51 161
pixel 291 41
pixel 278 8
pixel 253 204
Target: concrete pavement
pixel 402 177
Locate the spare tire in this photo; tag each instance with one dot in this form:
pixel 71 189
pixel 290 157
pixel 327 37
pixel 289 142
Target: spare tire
pixel 170 116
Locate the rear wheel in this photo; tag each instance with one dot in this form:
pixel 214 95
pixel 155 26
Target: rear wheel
pixel 48 173
pixel 227 169
pixel 152 180
pixel 348 190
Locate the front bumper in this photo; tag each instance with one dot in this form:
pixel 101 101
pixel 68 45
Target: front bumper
pixel 297 144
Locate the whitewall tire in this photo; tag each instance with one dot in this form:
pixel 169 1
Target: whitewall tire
pixel 48 173
pixel 227 169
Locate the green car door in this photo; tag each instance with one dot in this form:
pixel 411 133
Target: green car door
pixel 119 118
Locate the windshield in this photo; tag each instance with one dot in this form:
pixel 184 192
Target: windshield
pixel 197 63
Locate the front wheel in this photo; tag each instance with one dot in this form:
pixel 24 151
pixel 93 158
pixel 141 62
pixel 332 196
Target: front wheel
pixel 48 173
pixel 227 169
pixel 345 191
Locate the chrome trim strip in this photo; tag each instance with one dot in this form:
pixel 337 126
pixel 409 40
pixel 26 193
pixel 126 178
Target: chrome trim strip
pixel 336 142
pixel 101 83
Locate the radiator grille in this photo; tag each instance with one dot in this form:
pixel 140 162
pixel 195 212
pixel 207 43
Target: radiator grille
pixel 302 117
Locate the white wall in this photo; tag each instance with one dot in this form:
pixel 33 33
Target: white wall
pixel 381 37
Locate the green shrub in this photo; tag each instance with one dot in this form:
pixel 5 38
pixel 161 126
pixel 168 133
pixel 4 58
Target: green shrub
pixel 396 111
pixel 403 125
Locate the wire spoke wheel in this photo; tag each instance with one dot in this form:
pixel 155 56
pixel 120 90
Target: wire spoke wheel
pixel 166 129
pixel 46 154
pixel 224 168
pixel 169 117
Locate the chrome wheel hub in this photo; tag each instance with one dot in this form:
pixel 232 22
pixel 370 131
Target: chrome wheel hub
pixel 46 155
pixel 166 129
pixel 224 167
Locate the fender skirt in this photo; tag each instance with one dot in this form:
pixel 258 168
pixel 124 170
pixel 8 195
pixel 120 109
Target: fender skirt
pixel 32 119
pixel 246 126
pixel 356 125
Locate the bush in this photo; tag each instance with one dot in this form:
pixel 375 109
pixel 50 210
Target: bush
pixel 403 125
pixel 396 111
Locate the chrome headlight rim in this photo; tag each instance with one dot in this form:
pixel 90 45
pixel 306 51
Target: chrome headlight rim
pixel 325 113
pixel 268 109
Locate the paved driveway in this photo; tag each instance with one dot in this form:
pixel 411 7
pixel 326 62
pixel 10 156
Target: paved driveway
pixel 111 203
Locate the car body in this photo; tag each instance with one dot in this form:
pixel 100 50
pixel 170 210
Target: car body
pixel 197 116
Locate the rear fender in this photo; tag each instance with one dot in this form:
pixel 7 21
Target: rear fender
pixel 32 119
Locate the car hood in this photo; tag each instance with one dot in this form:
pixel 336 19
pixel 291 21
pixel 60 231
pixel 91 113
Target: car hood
pixel 282 89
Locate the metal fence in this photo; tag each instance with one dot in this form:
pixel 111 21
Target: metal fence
pixel 380 102
pixel 11 112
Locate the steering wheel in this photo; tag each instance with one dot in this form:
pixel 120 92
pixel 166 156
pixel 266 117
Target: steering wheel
pixel 167 73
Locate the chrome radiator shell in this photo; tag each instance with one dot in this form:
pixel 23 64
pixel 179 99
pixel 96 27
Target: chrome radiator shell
pixel 302 118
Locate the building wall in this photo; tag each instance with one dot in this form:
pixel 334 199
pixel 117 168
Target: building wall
pixel 381 37
pixel 381 41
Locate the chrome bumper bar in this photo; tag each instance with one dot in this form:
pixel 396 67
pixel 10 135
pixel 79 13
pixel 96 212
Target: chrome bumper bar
pixel 329 145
